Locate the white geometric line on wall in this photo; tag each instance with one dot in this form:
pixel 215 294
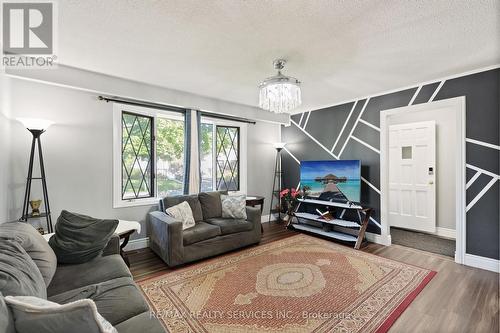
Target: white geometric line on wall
pixel 437 90
pixel 480 194
pixel 307 119
pixel 354 127
pixel 369 124
pixel 289 153
pixel 486 172
pixel 415 95
pixel 473 179
pixel 365 144
pixel 334 156
pixel 343 127
pixel 375 222
pixel 301 117
pixel 314 139
pixel 482 143
pixel 371 185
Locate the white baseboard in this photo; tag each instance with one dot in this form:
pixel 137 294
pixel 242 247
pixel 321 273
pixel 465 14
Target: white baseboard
pixel 482 262
pixel 136 244
pixel 265 218
pixel 445 232
pixel 379 239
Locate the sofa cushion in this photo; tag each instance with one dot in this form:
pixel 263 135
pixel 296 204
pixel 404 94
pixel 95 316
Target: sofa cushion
pixel 80 238
pixel 34 244
pixel 6 317
pixel 143 322
pixel 200 232
pixel 98 270
pixel 211 205
pixel 117 300
pixel 192 200
pixel 37 315
pixel 231 226
pixel 19 275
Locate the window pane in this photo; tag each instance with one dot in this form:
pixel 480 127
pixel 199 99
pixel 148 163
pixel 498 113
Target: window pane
pixel 206 156
pixel 406 153
pixel 170 156
pixel 136 156
pixel 228 165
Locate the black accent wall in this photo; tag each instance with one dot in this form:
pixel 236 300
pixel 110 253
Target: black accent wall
pixel 313 135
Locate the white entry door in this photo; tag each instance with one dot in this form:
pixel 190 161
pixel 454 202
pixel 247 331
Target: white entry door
pixel 412 180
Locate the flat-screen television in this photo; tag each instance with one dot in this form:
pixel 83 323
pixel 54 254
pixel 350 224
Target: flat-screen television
pixel 338 181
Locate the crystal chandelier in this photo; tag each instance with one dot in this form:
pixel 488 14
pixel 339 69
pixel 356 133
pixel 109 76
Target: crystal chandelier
pixel 280 93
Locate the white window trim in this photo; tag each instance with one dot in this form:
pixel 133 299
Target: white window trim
pixel 118 202
pixel 242 153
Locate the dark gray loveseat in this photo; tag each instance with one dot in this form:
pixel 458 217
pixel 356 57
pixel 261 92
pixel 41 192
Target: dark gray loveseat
pixel 105 279
pixel 211 235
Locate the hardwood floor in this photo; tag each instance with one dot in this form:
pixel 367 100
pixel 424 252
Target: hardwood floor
pixel 458 299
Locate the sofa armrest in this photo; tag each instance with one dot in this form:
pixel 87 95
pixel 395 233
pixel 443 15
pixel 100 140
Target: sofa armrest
pixel 254 216
pixel 165 237
pixel 113 246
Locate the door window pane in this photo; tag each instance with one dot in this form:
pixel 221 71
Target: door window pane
pixel 227 158
pixel 206 156
pixel 170 156
pixel 137 166
pixel 406 153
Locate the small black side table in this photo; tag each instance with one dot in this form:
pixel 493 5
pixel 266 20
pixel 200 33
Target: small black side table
pixel 252 201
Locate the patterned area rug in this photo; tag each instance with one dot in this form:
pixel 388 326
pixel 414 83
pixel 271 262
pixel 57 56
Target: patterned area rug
pixel 299 284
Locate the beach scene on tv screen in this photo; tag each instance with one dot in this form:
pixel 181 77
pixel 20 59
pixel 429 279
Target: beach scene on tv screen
pixel 332 180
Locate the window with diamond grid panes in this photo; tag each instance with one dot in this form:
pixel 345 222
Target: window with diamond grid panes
pixel 137 156
pixel 227 158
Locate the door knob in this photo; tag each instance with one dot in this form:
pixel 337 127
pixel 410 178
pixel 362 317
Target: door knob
pixel 431 182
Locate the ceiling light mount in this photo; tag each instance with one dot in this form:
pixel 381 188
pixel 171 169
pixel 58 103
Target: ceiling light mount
pixel 279 64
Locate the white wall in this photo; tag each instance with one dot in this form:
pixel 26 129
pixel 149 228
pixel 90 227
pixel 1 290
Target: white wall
pixel 4 148
pixel 78 152
pixel 446 132
pixel 261 159
pixel 109 85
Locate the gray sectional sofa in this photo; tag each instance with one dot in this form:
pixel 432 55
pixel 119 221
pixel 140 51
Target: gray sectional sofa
pixel 212 234
pixel 105 279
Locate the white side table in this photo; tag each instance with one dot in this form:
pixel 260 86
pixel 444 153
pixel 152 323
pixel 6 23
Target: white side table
pixel 123 230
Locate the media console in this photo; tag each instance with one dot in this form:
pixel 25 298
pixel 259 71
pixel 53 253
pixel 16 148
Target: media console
pixel 334 228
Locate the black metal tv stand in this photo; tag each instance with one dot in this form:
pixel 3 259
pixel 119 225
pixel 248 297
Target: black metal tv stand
pixel 335 228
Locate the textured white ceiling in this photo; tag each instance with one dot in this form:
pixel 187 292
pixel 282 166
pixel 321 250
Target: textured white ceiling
pixel 338 49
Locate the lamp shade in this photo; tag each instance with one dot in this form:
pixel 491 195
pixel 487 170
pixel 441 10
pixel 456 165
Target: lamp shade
pixel 279 145
pixel 35 123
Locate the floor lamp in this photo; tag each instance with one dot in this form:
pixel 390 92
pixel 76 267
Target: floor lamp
pixel 277 182
pixel 36 128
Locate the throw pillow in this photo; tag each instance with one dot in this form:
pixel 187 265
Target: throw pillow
pixel 19 275
pixel 80 238
pixel 34 244
pixel 234 206
pixel 182 212
pixel 191 199
pixel 36 315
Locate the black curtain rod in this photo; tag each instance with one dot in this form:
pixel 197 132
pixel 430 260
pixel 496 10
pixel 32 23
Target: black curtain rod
pixel 224 117
pixel 141 103
pixel 170 108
